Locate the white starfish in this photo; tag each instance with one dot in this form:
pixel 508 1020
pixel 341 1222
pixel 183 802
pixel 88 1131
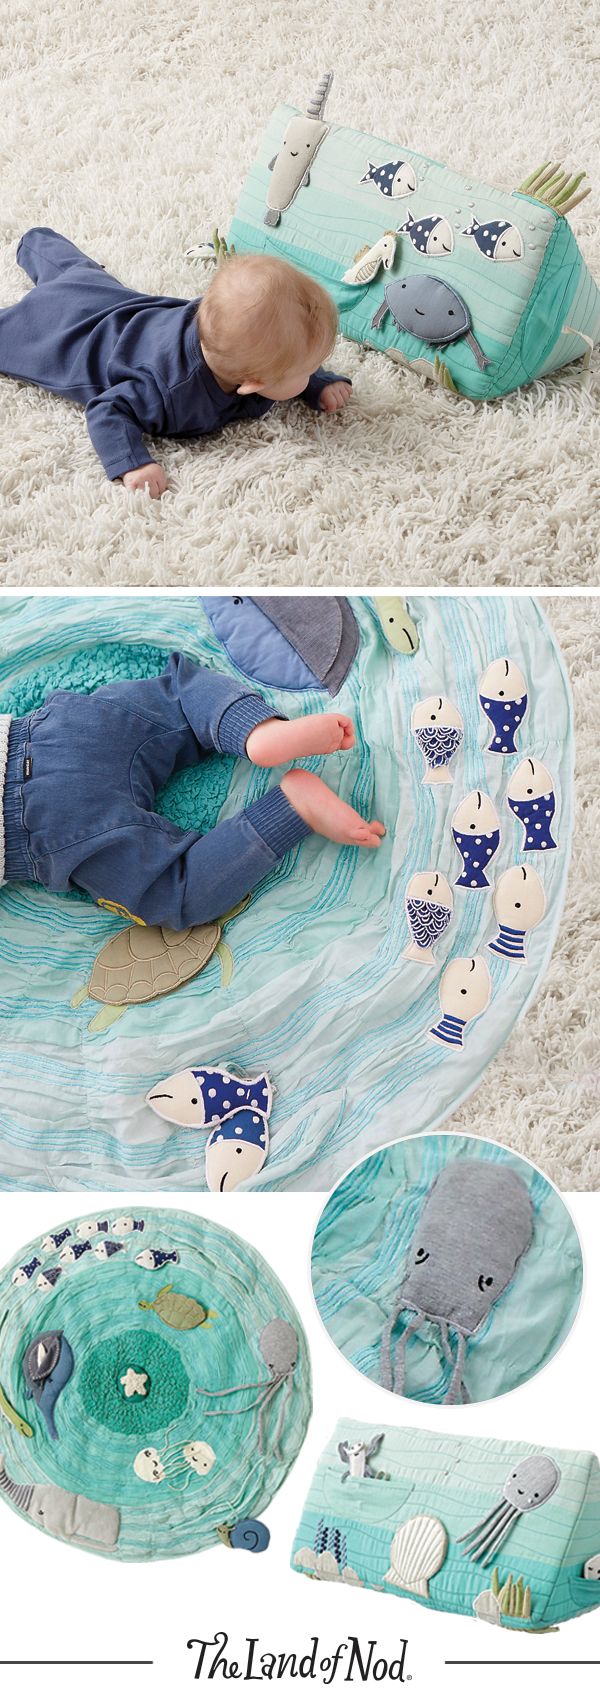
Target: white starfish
pixel 134 1382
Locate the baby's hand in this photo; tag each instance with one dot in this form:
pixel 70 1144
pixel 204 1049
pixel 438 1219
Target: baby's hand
pixel 335 396
pixel 150 477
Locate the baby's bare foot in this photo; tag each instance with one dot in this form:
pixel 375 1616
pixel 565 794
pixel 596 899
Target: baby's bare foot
pixel 277 741
pixel 326 813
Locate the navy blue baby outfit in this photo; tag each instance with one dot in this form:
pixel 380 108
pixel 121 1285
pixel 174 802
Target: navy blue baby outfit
pixel 81 779
pixel 133 361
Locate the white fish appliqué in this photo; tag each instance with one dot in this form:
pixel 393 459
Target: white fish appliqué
pixel 368 260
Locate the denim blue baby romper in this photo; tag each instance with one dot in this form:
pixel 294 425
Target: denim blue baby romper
pixel 133 361
pixel 81 779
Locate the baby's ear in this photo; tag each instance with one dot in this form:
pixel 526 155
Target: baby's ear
pixel 246 389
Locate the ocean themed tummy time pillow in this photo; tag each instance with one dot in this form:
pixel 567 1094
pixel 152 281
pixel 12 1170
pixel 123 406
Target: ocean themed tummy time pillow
pixel 446 1268
pixel 348 998
pixel 480 288
pixel 155 1385
pixel 497 1529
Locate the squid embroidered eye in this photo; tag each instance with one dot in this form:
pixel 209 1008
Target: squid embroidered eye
pixel 485 1281
pixel 422 1255
pixel 238 601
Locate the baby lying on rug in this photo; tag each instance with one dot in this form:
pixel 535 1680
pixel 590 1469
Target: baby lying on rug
pixel 152 365
pixel 80 776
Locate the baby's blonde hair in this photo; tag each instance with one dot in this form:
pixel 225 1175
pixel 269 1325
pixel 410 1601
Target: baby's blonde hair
pixel 261 317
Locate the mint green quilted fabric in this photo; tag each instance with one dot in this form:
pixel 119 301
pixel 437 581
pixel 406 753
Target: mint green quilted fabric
pixel 530 316
pixel 143 1463
pixel 401 1533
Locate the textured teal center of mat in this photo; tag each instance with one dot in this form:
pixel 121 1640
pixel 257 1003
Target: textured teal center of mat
pixel 103 1396
pixel 192 799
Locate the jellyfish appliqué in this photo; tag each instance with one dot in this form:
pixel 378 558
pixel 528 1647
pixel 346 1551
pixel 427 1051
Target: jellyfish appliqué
pixel 176 1463
pixel 279 1347
pixel 530 1485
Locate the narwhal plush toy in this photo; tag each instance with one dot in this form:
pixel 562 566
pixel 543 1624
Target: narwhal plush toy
pixel 290 167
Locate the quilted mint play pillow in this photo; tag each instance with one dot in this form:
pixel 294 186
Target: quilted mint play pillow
pixel 476 287
pixel 496 1529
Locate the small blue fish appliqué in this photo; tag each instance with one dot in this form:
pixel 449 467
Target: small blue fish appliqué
pixel 395 178
pixel 433 235
pixel 498 239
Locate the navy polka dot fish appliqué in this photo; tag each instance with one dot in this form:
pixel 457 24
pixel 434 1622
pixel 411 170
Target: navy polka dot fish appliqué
pixel 196 1097
pixel 236 1109
pixel 496 239
pixel 396 178
pixel 503 697
pixel 236 1149
pixel 531 797
pixel 432 235
pixel 476 833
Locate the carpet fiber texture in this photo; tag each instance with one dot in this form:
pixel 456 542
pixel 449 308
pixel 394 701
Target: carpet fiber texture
pixel 131 131
pixel 556 1122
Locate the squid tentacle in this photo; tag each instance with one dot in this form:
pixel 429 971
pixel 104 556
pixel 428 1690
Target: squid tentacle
pixel 445 1339
pixel 223 1392
pixel 385 1370
pixel 490 1552
pixel 497 1530
pixel 262 1410
pixel 483 1521
pixel 400 1365
pixel 457 1383
pixel 284 1404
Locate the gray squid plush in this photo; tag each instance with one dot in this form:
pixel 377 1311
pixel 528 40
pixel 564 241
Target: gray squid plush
pixel 475 1225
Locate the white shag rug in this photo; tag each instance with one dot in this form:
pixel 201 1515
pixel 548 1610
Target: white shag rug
pixel 541 1095
pixel 130 129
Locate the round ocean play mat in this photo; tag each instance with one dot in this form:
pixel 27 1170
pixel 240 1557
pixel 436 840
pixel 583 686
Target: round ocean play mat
pixel 354 994
pixel 155 1385
pixel 446 1268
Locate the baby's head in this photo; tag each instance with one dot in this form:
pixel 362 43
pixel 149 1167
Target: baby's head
pixel 264 327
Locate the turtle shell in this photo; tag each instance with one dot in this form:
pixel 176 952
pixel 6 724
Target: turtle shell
pixel 178 1310
pixel 146 962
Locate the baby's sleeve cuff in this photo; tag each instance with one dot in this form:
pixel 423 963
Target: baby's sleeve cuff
pixel 240 719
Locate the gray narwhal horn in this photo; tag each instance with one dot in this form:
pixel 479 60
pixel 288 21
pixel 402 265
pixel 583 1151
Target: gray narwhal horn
pixel 21 1493
pixel 316 106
